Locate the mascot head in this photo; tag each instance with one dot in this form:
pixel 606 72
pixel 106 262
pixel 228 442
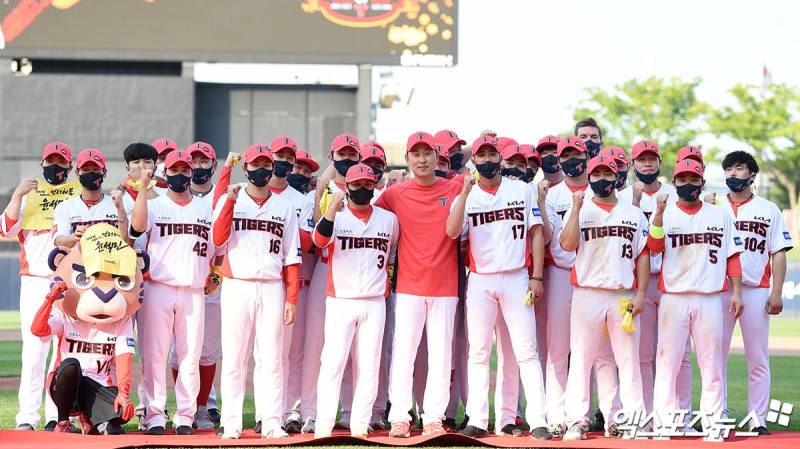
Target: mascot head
pixel 103 276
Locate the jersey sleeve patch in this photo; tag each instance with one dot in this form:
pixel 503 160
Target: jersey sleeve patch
pixel 737 241
pixel 787 236
pixel 130 342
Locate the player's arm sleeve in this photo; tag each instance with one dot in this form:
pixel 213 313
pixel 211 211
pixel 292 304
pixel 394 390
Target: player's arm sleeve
pixel 222 223
pixel 222 184
pixel 734 267
pixel 324 232
pixel 62 225
pixel 306 225
pixel 9 227
pixel 292 254
pixel 534 213
pixel 780 237
pixel 47 321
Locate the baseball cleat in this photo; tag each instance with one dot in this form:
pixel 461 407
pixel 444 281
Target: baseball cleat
pixel 274 432
pixel 214 414
pixel 510 429
pixel 541 433
pixel 557 429
pixel 613 431
pixel 400 429
pixel 232 435
pixel 359 433
pixel 309 426
pixel 25 426
pixel 576 432
pixel 293 426
pixel 156 430
pixel 112 428
pixel 376 421
pixel 184 430
pixel 450 424
pixel 474 432
pixel 433 428
pixel 761 431
pixel 599 424
pixel 87 428
pixel 202 419
pixel 63 427
pixel 142 427
pixel 50 426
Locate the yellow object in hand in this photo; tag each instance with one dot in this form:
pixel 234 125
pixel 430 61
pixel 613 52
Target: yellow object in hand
pixel 529 298
pixel 476 175
pixel 235 160
pixel 627 316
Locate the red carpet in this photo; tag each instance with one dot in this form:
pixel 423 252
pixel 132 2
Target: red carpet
pixel 10 439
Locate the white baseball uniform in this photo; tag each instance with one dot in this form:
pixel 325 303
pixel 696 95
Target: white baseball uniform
pixel 359 255
pixel 697 246
pixel 261 240
pixel 74 212
pixel 649 315
pixel 764 233
pixel 174 304
pixel 34 278
pixel 497 225
pixel 617 237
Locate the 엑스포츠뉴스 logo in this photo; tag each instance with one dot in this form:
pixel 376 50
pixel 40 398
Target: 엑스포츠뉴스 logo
pixel 360 13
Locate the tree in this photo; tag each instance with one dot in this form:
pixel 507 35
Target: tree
pixel 768 121
pixel 666 112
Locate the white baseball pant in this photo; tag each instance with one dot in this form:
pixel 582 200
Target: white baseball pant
pixel 437 316
pixel 212 325
pixel 32 293
pixel 313 340
pixel 382 399
pixel 293 373
pixel 507 380
pixel 421 374
pixel 679 316
pixel 647 351
pixel 593 312
pixel 490 295
pixel 350 323
pixel 755 334
pixel 169 311
pixel 558 299
pixel 252 311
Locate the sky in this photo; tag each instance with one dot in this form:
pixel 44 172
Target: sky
pixel 523 65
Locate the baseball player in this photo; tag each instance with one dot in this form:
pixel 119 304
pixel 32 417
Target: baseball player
pixel 534 162
pixel 452 146
pixel 35 244
pixel 443 163
pixel 591 134
pixel 344 154
pixel 427 286
pixel 500 210
pixel 765 239
pixel 374 155
pixel 174 304
pixel 262 271
pixel 363 237
pixel 615 232
pixel 646 161
pixel 621 160
pixel 304 168
pixel 690 152
pixel 701 248
pixel 163 147
pixel 204 161
pixel 92 206
pixel 547 149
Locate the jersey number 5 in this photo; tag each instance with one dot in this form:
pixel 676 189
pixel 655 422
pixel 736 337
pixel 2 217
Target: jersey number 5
pixel 712 255
pixel 201 249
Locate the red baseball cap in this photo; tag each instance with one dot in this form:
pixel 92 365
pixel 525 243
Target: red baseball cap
pixel 483 141
pixel 283 142
pixel 644 146
pixel 359 172
pixel 421 137
pixel 303 156
pixel 570 142
pixel 689 166
pixel 59 148
pixel 531 153
pixel 503 142
pixel 690 151
pixel 372 151
pixel 602 160
pixel 203 148
pixel 256 151
pixel 547 141
pixel 448 139
pixel 177 156
pixel 443 154
pixel 344 141
pixel 615 152
pixel 92 155
pixel 163 144
pixel 372 142
pixel 514 150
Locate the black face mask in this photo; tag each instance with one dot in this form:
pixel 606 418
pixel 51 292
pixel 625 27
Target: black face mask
pixel 573 167
pixel 737 184
pixel 55 174
pixel 592 148
pixel 360 196
pixel 488 169
pixel 622 178
pixel 550 164
pixel 513 171
pixel 91 181
pixel 378 172
pixel 602 187
pixel 528 176
pixel 689 192
pixel 259 177
pixel 344 165
pixel 282 168
pixel 456 161
pixel 647 178
pixel 440 173
pixel 178 183
pixel 298 182
pixel 202 175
